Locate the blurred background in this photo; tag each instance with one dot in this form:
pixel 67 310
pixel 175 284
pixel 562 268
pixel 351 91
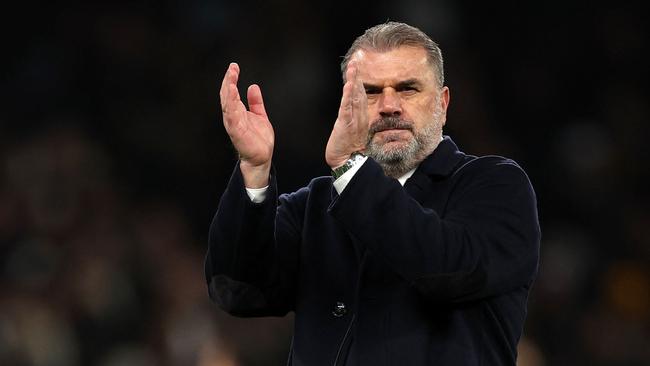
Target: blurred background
pixel 113 158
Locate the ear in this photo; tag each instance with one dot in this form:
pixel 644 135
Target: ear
pixel 444 103
pixel 444 98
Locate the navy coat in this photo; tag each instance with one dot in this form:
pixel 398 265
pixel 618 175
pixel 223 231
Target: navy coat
pixel 433 273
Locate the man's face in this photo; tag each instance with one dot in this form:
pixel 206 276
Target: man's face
pixel 406 107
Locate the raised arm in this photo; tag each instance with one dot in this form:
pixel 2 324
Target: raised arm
pixel 250 130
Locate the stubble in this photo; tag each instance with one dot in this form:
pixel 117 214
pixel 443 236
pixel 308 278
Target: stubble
pixel 396 161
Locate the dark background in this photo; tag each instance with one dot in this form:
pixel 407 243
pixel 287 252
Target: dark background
pixel 113 158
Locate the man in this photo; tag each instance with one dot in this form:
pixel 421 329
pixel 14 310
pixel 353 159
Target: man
pixel 413 253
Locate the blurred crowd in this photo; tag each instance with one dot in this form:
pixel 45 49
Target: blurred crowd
pixel 112 161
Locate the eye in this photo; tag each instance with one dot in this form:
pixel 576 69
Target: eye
pixel 407 90
pixel 373 91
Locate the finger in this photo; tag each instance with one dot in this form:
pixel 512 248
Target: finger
pixel 229 79
pixel 348 87
pixel 356 88
pixel 345 109
pixel 359 99
pixel 351 70
pixel 255 101
pixel 223 91
pixel 233 108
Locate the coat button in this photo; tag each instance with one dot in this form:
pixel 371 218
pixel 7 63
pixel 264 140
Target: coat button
pixel 339 309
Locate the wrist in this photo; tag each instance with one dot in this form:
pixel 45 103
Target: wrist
pixel 339 161
pixel 335 164
pixel 354 159
pixel 255 176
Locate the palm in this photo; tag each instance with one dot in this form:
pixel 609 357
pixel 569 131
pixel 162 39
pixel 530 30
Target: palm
pixel 251 134
pixel 351 127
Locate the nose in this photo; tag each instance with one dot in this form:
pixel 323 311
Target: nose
pixel 389 103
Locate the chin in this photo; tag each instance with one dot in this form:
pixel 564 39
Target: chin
pixel 394 146
pixel 392 142
pixel 393 149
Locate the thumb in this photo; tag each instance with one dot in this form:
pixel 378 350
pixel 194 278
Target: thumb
pixel 255 101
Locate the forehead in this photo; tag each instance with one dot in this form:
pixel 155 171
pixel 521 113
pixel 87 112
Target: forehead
pixel 398 64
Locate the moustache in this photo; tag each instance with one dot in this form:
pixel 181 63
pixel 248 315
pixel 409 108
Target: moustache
pixel 389 123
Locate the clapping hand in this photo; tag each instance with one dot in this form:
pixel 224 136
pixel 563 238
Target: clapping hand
pixel 250 130
pixel 350 131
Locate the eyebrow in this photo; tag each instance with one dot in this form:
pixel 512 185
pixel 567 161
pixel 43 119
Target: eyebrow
pixel 400 85
pixel 407 83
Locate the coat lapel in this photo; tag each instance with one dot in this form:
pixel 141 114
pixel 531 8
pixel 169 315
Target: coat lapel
pixel 436 167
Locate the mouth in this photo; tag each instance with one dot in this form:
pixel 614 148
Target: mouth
pixel 393 129
pixel 390 124
pixel 389 130
pixel 386 137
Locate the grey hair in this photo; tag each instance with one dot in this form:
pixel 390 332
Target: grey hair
pixel 390 35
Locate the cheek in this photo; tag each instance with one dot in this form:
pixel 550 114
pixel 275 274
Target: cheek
pixel 431 107
pixel 422 109
pixel 373 112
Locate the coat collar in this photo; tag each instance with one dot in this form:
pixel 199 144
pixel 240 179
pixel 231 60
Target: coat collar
pixel 435 167
pixel 443 160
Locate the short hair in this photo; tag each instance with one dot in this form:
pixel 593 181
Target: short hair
pixel 390 35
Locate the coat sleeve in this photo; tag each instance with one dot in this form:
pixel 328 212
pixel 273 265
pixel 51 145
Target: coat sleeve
pixel 249 272
pixel 486 244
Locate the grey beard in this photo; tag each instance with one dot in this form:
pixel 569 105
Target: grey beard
pixel 396 162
